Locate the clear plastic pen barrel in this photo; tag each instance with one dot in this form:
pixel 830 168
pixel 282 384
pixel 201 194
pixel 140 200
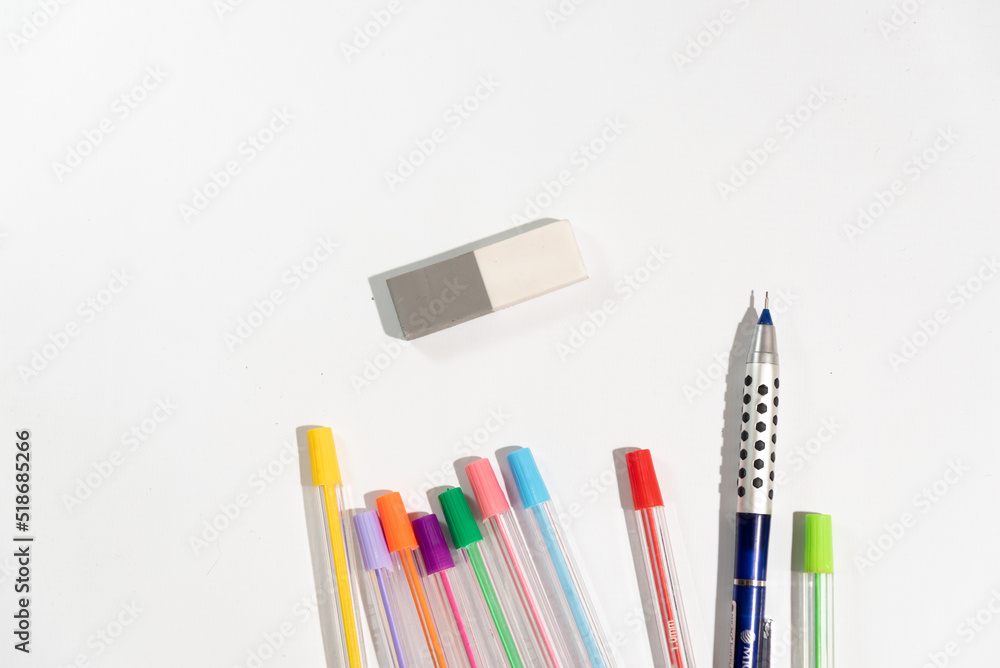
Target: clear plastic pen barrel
pixel 402 545
pixel 673 641
pixel 458 609
pixel 816 606
pixel 548 533
pixel 326 479
pixel 516 642
pixel 506 541
pixel 390 611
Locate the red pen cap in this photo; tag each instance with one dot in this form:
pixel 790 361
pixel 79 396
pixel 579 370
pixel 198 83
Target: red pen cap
pixel 642 477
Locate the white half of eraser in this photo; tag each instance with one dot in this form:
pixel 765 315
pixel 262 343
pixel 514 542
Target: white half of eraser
pixel 487 279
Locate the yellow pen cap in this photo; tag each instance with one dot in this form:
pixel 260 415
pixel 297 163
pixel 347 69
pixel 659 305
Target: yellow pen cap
pixel 323 456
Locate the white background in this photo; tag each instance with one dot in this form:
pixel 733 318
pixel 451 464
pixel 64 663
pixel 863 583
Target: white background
pixel 654 375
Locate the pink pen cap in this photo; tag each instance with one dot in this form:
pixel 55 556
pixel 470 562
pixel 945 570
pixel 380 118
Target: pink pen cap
pixel 486 487
pixel 433 548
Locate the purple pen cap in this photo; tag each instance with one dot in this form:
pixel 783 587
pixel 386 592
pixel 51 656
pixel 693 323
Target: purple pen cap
pixel 374 551
pixel 433 548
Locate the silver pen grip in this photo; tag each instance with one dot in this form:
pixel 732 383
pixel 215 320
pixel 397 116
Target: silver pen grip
pixel 758 439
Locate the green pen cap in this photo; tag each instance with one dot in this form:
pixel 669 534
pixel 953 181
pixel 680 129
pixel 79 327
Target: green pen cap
pixel 818 544
pixel 461 524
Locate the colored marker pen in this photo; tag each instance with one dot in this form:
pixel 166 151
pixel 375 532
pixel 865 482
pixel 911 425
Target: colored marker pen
pixel 402 544
pixel 326 476
pixel 545 524
pixel 463 618
pixel 388 594
pixel 658 560
pixel 468 539
pixel 507 541
pixel 817 606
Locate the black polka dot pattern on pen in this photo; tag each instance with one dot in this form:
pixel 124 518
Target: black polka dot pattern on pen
pixel 761 392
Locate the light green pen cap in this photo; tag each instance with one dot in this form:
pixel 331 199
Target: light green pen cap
pixel 819 544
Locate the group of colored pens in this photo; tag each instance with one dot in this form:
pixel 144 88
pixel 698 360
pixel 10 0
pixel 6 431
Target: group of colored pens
pixel 510 595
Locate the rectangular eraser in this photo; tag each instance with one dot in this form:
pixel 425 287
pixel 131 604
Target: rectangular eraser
pixel 487 279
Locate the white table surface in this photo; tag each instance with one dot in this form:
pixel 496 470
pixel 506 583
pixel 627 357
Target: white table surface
pixel 888 366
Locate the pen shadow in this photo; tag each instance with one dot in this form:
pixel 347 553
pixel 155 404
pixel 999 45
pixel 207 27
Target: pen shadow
pixel 319 553
pixel 731 427
pixel 638 563
pixel 466 486
pixel 380 287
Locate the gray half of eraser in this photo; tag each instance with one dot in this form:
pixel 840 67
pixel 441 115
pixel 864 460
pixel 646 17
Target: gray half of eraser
pixel 494 276
pixel 438 296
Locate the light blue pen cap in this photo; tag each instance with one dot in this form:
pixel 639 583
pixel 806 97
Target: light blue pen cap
pixel 530 486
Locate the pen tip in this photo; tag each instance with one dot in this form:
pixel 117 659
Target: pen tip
pixel 765 314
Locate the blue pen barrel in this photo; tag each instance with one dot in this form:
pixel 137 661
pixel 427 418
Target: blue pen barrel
pixel 752 531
